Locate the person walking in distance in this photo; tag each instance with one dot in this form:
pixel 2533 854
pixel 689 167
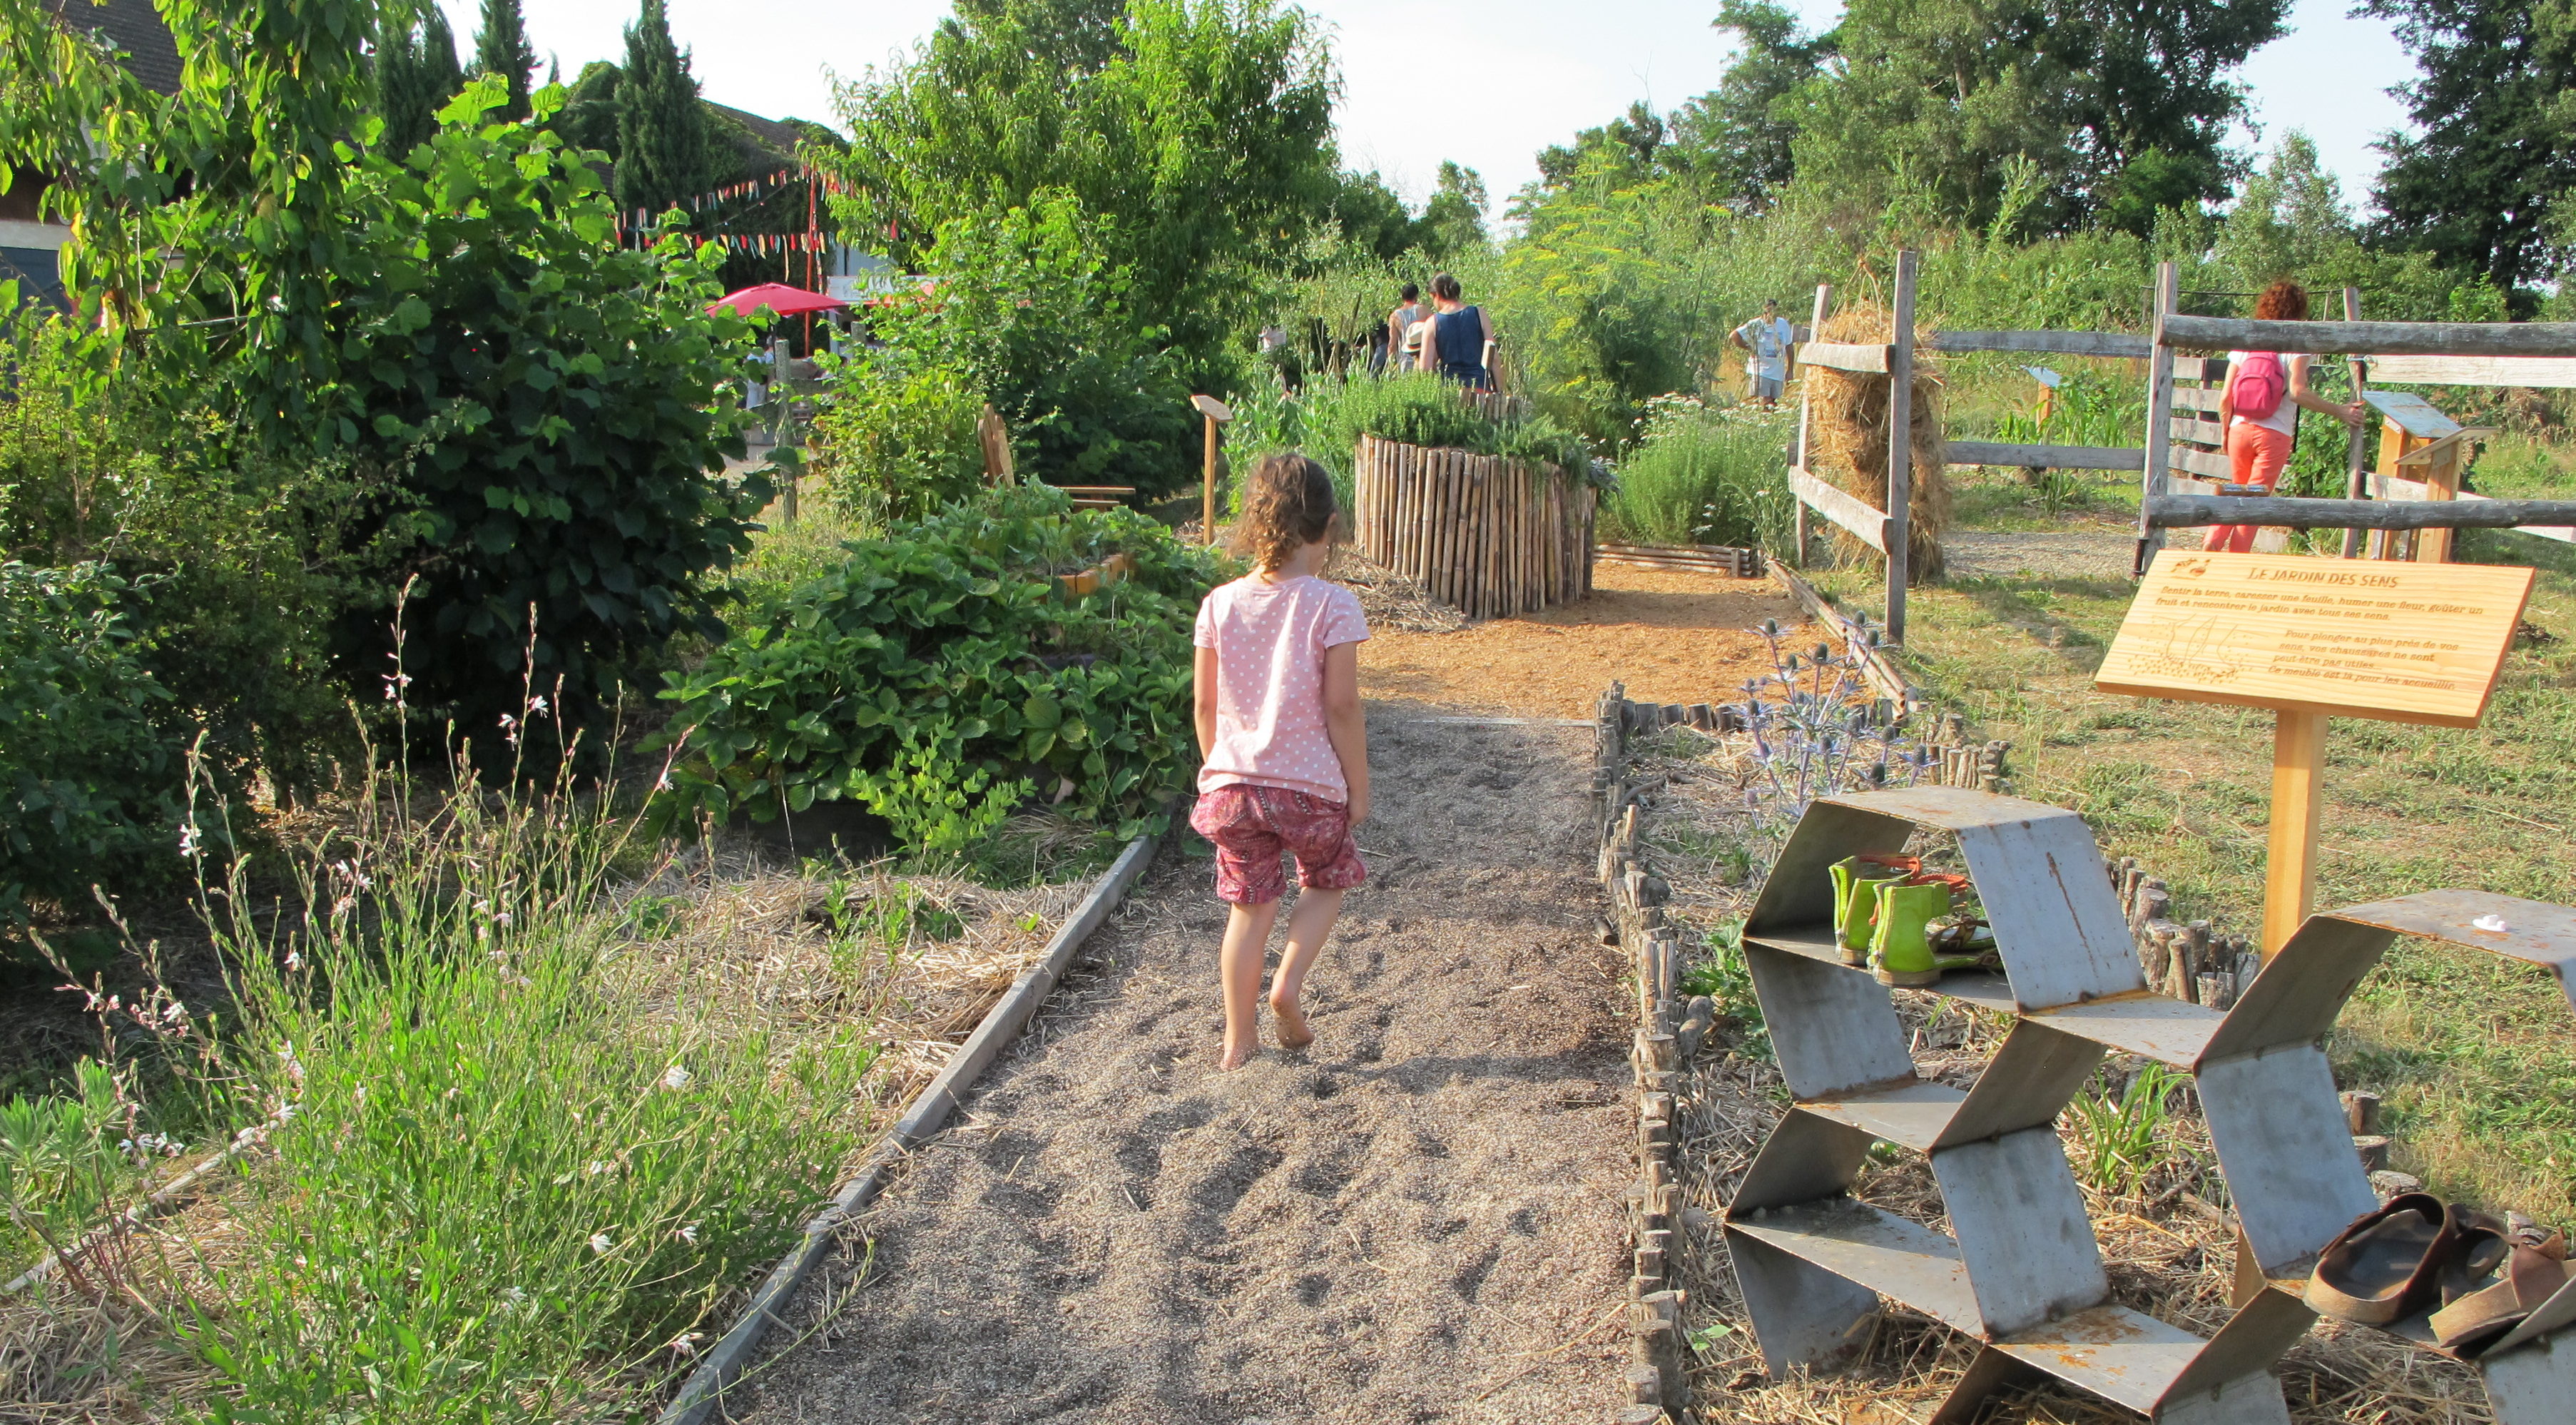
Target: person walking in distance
pixel 2259 411
pixel 1765 340
pixel 1283 745
pixel 1400 324
pixel 1461 343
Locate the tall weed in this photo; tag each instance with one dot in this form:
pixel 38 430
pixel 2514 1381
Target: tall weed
pixel 513 1171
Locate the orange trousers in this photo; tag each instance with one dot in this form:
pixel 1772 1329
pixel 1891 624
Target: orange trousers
pixel 2258 455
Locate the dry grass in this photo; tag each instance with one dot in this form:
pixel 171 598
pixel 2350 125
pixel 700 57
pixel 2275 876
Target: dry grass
pixel 1848 438
pixel 2168 1253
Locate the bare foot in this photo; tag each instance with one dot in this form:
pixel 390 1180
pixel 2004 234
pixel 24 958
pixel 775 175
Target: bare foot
pixel 1292 1030
pixel 1235 1055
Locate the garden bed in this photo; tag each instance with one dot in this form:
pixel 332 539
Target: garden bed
pixel 2140 1148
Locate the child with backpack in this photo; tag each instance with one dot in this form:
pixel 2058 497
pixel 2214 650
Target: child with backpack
pixel 2259 410
pixel 1283 744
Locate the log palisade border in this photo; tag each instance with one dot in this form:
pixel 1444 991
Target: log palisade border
pixel 702 1394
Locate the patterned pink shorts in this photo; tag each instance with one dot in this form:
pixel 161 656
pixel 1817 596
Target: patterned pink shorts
pixel 1251 825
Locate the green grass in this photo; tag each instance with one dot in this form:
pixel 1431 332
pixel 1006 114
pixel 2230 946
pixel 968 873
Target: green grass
pixel 2476 1056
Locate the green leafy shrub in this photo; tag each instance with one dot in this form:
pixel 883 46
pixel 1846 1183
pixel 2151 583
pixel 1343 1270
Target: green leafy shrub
pixel 941 674
pixel 1704 475
pixel 93 780
pixel 1032 315
pixel 236 560
pixel 560 401
pixel 898 440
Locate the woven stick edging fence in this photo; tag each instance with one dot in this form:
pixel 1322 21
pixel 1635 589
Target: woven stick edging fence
pixel 1488 536
pixel 703 1393
pixel 1657 1387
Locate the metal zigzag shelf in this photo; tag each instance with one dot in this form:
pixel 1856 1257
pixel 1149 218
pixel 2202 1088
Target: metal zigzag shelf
pixel 2023 1271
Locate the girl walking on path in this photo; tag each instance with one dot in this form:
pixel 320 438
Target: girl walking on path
pixel 1282 742
pixel 1461 337
pixel 2259 410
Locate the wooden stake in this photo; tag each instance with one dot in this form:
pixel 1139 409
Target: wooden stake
pixel 1207 485
pixel 1806 426
pixel 2298 799
pixel 1900 444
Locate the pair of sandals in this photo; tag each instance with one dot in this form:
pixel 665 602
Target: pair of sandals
pixel 1900 921
pixel 2398 1259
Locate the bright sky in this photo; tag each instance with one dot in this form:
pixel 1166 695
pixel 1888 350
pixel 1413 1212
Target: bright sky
pixel 1486 82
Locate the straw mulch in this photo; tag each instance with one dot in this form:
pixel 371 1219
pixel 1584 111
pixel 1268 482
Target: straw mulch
pixel 2168 1250
pixel 1848 438
pixel 1390 599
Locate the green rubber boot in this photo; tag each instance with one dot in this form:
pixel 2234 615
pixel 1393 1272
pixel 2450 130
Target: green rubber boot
pixel 1854 906
pixel 1900 950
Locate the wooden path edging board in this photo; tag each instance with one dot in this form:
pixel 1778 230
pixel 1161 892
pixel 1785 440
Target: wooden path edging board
pixel 703 1393
pixel 1875 665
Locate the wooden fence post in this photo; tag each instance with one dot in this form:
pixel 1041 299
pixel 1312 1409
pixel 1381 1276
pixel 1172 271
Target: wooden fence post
pixel 2160 365
pixel 1806 424
pixel 1900 444
pixel 2355 437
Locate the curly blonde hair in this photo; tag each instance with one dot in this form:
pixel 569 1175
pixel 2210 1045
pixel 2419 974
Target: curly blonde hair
pixel 1287 505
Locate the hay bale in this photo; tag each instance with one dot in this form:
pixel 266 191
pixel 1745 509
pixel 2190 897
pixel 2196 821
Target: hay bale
pixel 1849 438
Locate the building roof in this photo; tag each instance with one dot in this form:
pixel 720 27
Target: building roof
pixel 777 137
pixel 133 26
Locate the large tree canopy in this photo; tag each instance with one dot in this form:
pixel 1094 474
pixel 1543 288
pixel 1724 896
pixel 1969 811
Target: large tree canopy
pixel 1201 144
pixel 2111 100
pixel 2497 105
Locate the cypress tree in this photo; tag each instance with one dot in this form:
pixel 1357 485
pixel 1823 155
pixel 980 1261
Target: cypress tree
pixel 416 74
pixel 661 131
pixel 502 48
pixel 441 75
pixel 398 89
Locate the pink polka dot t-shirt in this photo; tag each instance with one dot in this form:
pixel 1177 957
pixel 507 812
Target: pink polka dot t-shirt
pixel 1270 641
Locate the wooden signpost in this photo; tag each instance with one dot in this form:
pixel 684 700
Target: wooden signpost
pixel 2312 638
pixel 1217 415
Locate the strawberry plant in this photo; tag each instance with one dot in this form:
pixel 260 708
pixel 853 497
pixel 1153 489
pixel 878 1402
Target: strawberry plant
pixel 942 676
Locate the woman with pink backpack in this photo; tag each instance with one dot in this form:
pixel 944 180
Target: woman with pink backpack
pixel 2260 409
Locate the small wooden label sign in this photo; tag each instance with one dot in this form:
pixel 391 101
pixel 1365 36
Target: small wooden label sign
pixel 2347 637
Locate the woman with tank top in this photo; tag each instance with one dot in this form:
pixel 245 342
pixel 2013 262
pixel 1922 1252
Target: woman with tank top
pixel 2259 441
pixel 1460 337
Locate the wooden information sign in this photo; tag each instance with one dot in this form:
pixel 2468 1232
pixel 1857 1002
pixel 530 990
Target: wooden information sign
pixel 2310 638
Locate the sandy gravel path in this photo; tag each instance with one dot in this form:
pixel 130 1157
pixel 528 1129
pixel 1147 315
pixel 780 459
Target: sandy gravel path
pixel 1418 1219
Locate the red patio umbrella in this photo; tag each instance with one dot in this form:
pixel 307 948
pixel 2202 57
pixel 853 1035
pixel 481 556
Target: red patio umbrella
pixel 778 297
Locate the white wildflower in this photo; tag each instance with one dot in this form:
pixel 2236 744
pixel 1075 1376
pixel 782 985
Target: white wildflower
pixel 188 841
pixel 597 1167
pixel 537 704
pixel 689 1233
pixel 686 1343
pixel 599 1243
pixel 675 1078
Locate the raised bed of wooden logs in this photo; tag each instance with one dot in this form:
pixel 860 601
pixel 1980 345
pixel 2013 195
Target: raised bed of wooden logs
pixel 1488 536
